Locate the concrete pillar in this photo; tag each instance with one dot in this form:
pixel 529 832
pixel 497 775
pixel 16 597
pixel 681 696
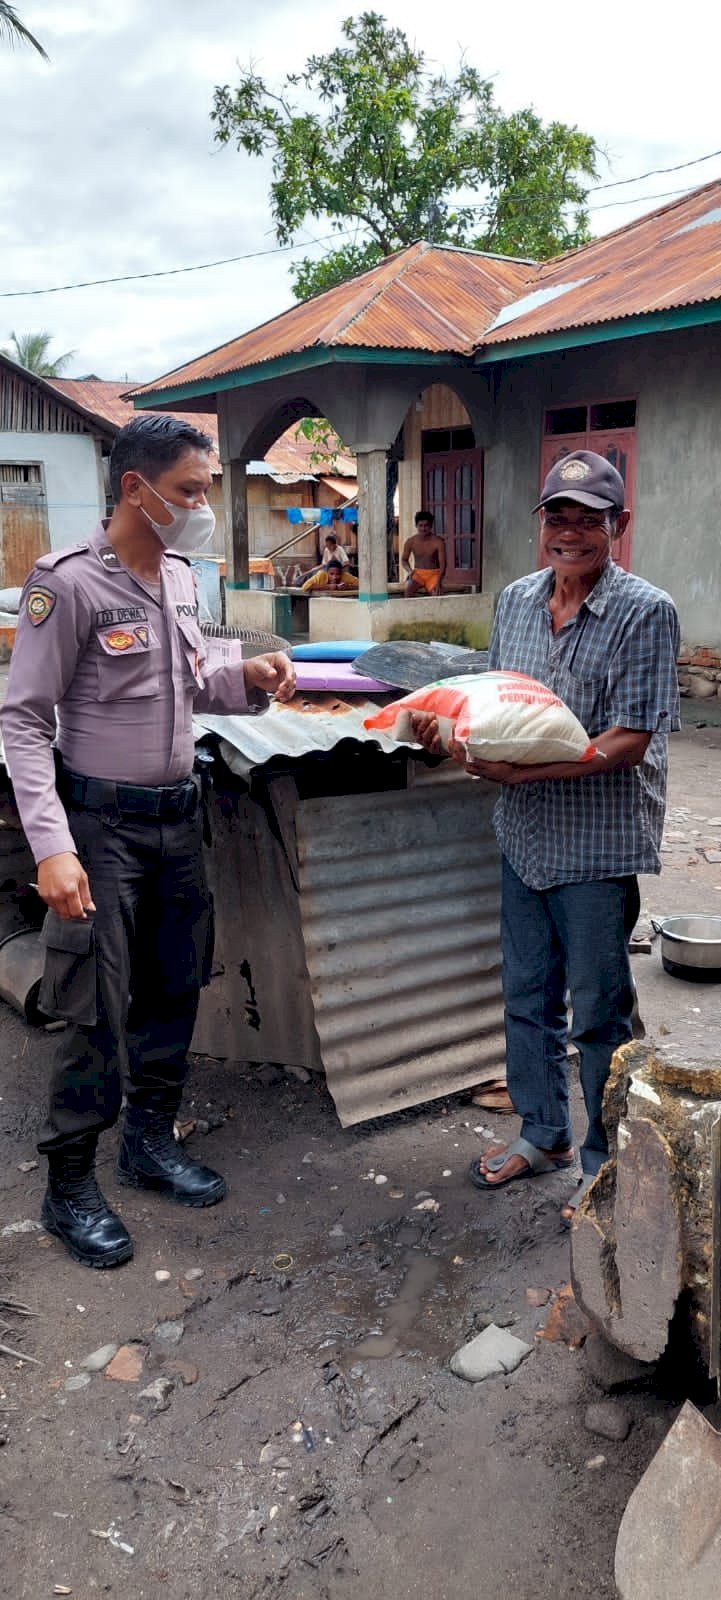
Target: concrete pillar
pixel 235 494
pixel 372 532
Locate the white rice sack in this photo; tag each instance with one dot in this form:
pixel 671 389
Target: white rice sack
pixel 496 716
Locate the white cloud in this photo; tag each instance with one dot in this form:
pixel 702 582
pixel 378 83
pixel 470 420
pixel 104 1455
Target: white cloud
pixel 109 164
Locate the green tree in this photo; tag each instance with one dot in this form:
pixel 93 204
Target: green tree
pixel 397 153
pixel 15 32
pixel 31 350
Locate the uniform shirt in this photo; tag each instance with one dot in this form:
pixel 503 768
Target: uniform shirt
pixel 614 664
pixel 335 555
pixel 111 669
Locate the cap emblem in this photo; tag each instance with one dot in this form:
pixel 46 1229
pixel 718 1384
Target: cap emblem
pixel 574 471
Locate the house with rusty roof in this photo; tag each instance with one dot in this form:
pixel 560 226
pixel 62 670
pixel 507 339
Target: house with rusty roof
pixel 288 476
pixel 51 469
pixel 474 374
pixel 56 435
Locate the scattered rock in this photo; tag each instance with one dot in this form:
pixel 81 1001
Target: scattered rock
pixel 381 1178
pixel 594 1463
pixel 169 1332
pixel 490 1355
pixel 162 1275
pixel 538 1297
pixel 31 1166
pixel 301 1073
pixel 711 855
pixel 127 1365
pixel 186 1371
pixel 160 1392
pixel 428 1205
pixel 608 1419
pixel 269 1074
pixel 669 1541
pixel 193 1273
pixel 99 1359
pixel 28 1226
pixel 79 1381
pixel 447 1173
pixel 267 1454
pixel 280 1199
pixel 202 1125
pixel 566 1322
pixel 336 1232
pixel 611 1369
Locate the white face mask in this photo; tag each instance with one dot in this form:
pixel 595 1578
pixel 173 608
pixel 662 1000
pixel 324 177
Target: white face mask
pixel 191 529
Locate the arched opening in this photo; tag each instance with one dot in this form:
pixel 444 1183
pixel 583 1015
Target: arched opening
pixel 299 491
pixel 441 470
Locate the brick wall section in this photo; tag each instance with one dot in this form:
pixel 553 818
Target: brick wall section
pixel 699 672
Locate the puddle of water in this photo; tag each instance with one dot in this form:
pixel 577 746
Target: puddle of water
pixel 404 1309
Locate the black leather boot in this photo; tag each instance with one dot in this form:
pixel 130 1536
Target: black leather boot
pixel 151 1158
pixel 76 1212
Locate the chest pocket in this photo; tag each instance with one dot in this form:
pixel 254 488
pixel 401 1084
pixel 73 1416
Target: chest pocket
pixel 586 697
pixel 128 662
pixel 192 646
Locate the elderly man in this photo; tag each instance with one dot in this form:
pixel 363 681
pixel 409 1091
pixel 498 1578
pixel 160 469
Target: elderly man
pixel 108 667
pixel 574 836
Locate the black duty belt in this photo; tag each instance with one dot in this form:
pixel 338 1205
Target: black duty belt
pixel 173 803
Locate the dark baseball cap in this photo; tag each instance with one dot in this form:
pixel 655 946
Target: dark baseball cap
pixel 587 478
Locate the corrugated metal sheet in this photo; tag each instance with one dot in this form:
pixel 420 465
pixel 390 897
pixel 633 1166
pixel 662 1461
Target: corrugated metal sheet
pixel 427 297
pixel 312 723
pixel 400 904
pixel 438 299
pixel 670 258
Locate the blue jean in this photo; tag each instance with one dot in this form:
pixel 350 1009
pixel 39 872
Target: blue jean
pixel 569 938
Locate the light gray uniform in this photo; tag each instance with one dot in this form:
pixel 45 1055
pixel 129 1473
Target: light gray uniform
pixel 124 667
pixel 123 664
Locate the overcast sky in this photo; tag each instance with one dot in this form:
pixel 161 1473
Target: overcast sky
pixel 109 166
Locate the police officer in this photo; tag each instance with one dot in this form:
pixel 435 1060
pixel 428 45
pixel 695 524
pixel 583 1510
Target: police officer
pixel 108 665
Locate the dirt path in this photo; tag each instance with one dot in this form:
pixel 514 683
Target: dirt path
pixel 326 1299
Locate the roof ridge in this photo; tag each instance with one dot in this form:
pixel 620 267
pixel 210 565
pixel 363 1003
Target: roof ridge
pixel 627 227
pixel 360 303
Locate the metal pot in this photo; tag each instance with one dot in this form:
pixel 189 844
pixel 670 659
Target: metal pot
pixel 691 947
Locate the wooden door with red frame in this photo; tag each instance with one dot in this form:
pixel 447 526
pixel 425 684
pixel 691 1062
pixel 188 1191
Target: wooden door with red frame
pixel 618 445
pixel 453 491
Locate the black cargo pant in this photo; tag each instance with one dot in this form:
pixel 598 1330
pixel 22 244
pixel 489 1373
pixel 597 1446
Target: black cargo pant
pixel 150 947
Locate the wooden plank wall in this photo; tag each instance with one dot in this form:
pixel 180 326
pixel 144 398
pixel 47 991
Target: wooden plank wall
pixel 25 408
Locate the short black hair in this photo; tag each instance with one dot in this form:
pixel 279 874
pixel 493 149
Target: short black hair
pixel 330 538
pixel 149 445
pixel 338 564
pixel 423 516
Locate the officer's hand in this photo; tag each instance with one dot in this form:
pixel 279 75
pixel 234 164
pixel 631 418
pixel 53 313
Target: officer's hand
pixel 274 673
pixel 426 731
pixel 63 885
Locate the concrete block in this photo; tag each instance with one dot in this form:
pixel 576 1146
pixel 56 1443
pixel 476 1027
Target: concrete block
pixel 491 1354
pixel 669 1541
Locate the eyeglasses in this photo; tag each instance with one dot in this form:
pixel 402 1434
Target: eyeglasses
pixel 592 523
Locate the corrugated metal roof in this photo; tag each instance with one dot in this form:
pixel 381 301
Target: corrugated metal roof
pixel 667 259
pixel 427 298
pixel 436 299
pixel 311 723
pixel 403 946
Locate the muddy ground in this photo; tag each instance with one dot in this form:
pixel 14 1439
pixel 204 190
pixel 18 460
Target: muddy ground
pixel 310 1440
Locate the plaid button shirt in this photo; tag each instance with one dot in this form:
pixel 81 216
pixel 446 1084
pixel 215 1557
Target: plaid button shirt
pixel 614 664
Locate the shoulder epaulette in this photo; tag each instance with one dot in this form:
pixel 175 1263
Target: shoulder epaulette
pixel 52 558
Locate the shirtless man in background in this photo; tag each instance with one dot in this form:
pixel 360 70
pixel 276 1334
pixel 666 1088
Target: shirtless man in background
pixel 428 550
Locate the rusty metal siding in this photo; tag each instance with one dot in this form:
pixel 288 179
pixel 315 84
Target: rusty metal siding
pixel 400 905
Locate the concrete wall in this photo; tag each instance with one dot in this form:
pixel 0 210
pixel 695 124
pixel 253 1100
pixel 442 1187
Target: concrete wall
pixel 675 378
pixel 343 617
pixel 73 479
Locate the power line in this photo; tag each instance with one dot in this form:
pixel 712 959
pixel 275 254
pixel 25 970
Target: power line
pixel 638 200
pixel 168 272
pixel 655 172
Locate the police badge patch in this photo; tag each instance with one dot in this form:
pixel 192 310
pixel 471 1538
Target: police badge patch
pixel 38 605
pixel 574 471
